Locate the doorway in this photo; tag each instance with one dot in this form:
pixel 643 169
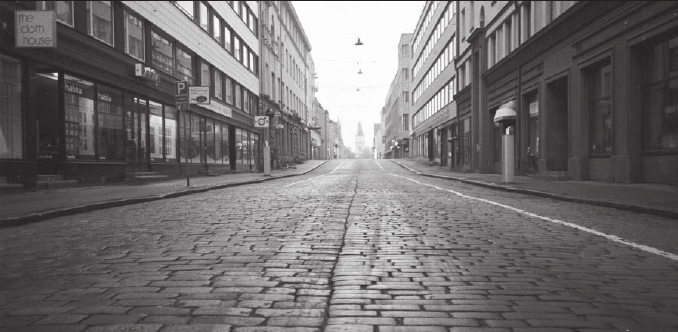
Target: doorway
pixel 49 129
pixel 136 132
pixel 556 149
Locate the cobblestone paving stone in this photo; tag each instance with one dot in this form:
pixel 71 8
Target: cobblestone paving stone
pixel 352 249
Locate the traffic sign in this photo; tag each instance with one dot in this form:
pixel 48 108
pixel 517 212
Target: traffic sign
pixel 182 98
pixel 182 88
pixel 183 106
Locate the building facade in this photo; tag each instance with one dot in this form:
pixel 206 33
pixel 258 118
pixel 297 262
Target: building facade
pixel 592 86
pixel 287 82
pixel 395 114
pixel 100 101
pixel 434 50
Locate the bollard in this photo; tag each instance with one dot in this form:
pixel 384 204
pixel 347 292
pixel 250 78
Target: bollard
pixel 508 154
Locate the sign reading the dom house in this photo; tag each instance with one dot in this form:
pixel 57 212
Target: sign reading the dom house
pixel 35 28
pixel 261 121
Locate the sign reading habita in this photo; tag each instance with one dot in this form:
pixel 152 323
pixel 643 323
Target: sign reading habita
pixel 35 28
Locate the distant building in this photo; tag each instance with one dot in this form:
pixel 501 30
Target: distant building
pixel 395 115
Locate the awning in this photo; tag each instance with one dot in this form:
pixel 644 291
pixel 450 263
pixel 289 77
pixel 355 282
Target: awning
pixel 506 113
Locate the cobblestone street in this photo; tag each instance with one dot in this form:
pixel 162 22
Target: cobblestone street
pixel 356 245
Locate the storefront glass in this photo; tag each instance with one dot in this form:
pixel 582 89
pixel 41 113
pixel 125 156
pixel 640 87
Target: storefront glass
pixel 169 133
pixel 660 96
pixel 224 144
pixel 110 124
pixel 196 139
pixel 239 152
pixel 79 118
pixel 11 132
pixel 210 149
pixel 155 121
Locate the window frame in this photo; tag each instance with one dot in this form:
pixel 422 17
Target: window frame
pixel 126 14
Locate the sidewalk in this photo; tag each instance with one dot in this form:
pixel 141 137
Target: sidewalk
pixel 31 206
pixel 658 199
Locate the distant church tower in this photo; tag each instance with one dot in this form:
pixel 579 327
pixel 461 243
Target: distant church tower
pixel 359 139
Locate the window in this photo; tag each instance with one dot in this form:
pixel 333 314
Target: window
pixel 406 97
pixel 11 133
pixel 600 108
pixel 110 129
pixel 155 125
pixel 509 35
pixel 134 36
pixel 228 88
pixel 64 10
pixel 184 65
pixel 205 78
pixel 405 73
pixel 100 20
pixel 169 133
pixel 238 96
pixel 161 53
pixel 216 28
pixel 660 95
pixel 236 48
pixel 187 7
pixel 466 142
pixel 228 45
pixel 79 118
pixel 204 16
pixel 218 88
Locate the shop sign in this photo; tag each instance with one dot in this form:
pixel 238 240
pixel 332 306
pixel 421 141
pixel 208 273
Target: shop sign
pixel 261 121
pixel 35 28
pixel 199 95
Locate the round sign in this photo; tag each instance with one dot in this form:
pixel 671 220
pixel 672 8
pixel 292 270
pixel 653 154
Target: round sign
pixel 261 121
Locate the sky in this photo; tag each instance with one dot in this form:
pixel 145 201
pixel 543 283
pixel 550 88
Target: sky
pixel 333 28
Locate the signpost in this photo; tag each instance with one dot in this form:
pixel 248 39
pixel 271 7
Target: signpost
pixel 261 121
pixel 182 105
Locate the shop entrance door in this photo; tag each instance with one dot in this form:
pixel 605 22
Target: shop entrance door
pixel 49 125
pixel 136 133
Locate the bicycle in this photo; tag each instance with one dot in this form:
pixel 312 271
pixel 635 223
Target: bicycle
pixel 531 164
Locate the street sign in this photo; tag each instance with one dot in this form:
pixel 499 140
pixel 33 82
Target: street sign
pixel 182 88
pixel 261 121
pixel 183 106
pixel 199 95
pixel 182 98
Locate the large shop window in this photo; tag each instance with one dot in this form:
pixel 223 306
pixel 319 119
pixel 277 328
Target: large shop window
pixel 134 36
pixel 245 147
pixel 64 10
pixel 79 124
pixel 11 132
pixel 100 20
pixel 660 96
pixel 600 108
pixel 170 133
pixel 156 126
pixel 466 141
pixel 110 130
pixel 202 140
